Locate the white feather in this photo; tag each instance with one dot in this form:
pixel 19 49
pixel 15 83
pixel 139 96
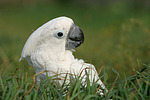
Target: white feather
pixel 44 51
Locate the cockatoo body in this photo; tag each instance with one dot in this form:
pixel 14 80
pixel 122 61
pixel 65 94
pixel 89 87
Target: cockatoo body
pixel 50 48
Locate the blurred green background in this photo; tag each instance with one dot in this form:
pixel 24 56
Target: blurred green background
pixel 117 32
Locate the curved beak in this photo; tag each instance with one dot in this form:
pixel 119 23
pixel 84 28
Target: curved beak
pixel 75 37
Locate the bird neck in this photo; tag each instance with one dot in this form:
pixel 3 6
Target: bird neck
pixel 58 54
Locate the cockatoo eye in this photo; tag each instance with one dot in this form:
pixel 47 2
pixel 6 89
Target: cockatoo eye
pixel 59 34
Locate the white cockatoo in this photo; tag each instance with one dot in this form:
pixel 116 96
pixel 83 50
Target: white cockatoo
pixel 50 48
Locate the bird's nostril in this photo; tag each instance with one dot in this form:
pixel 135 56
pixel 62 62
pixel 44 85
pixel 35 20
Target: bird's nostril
pixel 75 39
pixel 79 38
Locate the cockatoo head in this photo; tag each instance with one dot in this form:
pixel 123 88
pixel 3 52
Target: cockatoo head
pixel 60 33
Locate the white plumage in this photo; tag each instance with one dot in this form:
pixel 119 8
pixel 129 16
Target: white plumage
pixel 50 48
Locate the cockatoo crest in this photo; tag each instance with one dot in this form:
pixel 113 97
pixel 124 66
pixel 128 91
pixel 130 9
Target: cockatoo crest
pixel 43 34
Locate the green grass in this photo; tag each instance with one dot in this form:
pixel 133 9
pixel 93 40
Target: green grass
pixel 117 37
pixel 16 86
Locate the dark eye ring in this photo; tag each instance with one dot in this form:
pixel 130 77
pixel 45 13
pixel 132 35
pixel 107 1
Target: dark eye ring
pixel 60 34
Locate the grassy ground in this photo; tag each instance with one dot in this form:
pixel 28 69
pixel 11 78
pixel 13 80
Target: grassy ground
pixel 19 86
pixel 116 37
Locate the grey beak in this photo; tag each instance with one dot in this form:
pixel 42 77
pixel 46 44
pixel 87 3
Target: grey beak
pixel 75 37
